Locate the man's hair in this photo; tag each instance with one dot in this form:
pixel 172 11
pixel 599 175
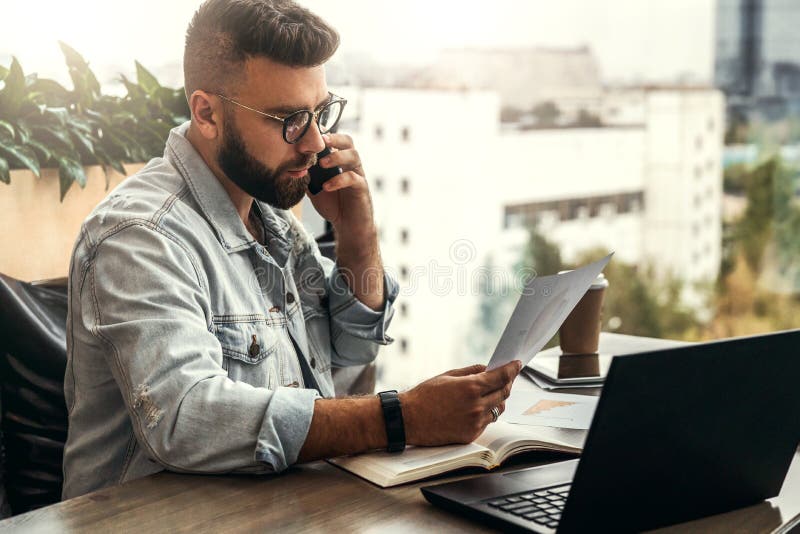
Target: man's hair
pixel 223 34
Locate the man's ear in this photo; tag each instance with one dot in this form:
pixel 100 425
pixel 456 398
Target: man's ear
pixel 205 108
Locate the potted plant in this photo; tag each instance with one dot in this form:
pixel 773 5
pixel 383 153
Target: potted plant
pixel 79 136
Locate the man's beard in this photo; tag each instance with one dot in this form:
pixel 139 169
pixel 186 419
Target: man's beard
pixel 256 179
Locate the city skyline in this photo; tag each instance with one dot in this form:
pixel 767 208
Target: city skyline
pixel 634 40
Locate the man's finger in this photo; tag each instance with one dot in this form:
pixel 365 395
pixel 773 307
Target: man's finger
pixel 341 181
pixel 346 159
pixel 496 398
pixel 500 376
pixel 339 141
pixel 466 371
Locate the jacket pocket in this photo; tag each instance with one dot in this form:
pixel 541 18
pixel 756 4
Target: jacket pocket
pixel 318 329
pixel 249 349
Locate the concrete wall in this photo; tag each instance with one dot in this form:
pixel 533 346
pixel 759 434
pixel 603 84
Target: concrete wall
pixel 37 231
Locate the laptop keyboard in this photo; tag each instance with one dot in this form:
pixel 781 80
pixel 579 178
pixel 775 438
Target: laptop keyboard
pixel 541 506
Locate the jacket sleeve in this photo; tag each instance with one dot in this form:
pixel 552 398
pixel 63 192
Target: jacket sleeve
pixel 357 331
pixel 146 300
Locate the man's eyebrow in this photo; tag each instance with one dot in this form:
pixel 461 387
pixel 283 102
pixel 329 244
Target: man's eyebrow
pixel 285 110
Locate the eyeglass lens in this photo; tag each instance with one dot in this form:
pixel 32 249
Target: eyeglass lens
pixel 297 124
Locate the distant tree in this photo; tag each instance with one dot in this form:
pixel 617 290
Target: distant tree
pixel 511 114
pixel 638 302
pixel 541 255
pixel 586 119
pixel 546 114
pixel 733 178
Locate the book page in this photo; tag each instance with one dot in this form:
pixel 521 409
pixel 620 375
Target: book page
pixel 386 468
pixel 504 438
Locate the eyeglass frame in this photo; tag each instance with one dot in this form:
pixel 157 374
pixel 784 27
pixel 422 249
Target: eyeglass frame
pixel 334 99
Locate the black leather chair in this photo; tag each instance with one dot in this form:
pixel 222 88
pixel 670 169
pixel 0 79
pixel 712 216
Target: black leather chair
pixel 34 417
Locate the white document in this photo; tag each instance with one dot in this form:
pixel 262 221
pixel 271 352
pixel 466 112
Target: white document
pixel 545 303
pixel 541 408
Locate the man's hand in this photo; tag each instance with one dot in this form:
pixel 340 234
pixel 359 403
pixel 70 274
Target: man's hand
pixel 344 199
pixel 345 202
pixel 455 407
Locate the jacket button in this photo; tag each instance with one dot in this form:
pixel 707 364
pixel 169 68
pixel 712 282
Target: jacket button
pixel 254 349
pixel 313 363
pixel 289 297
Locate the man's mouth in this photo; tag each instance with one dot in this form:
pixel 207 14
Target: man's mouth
pixel 299 173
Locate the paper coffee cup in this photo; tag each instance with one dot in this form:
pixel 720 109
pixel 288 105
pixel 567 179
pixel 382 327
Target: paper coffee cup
pixel 580 332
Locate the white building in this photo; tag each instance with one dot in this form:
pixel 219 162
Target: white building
pixel 451 189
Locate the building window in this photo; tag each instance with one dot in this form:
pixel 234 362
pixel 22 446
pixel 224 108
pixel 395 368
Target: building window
pixel 405 134
pixel 698 142
pixel 403 309
pixel 403 272
pixel 404 235
pixel 379 183
pixel 404 346
pixel 378 131
pixel 405 185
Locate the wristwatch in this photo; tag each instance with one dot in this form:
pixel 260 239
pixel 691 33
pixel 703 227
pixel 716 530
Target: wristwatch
pixel 393 417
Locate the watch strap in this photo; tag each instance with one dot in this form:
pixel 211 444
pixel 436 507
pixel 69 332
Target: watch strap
pixel 393 417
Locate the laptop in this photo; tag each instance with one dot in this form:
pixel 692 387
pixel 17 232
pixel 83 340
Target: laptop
pixel 678 434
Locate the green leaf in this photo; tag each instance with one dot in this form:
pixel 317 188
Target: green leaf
pixel 5 174
pixel 6 131
pixel 22 154
pixel 82 141
pixel 134 91
pixel 42 152
pixel 23 132
pixel 51 91
pixel 82 76
pixel 69 171
pixel 59 114
pixel 13 94
pixel 146 80
pixel 54 135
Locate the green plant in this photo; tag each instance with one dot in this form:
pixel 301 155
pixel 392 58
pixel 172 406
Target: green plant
pixel 43 124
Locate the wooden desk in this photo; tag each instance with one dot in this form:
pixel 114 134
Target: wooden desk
pixel 318 497
pixel 313 497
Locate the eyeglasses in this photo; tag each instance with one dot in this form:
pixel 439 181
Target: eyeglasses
pixel 295 125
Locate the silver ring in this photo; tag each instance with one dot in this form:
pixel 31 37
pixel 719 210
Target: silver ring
pixel 495 414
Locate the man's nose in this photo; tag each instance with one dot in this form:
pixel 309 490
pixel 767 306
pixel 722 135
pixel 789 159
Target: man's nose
pixel 312 141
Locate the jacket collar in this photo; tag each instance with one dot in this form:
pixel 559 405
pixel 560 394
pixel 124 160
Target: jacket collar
pixel 214 202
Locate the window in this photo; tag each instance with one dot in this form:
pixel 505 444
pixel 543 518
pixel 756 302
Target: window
pixel 403 309
pixel 405 134
pixel 404 235
pixel 378 132
pixel 404 345
pixel 379 183
pixel 404 272
pixel 405 185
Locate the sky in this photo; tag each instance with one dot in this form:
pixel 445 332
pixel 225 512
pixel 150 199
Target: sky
pixel 634 40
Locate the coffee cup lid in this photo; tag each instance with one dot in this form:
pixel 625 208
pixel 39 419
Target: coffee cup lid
pixel 600 282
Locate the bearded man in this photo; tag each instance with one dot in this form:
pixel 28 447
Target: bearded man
pixel 203 322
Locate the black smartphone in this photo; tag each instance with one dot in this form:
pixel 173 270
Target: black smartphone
pixel 320 175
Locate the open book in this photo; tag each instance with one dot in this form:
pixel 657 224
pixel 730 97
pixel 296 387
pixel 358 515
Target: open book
pixel 499 441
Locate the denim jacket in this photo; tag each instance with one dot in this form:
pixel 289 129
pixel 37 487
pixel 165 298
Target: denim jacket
pixel 192 347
